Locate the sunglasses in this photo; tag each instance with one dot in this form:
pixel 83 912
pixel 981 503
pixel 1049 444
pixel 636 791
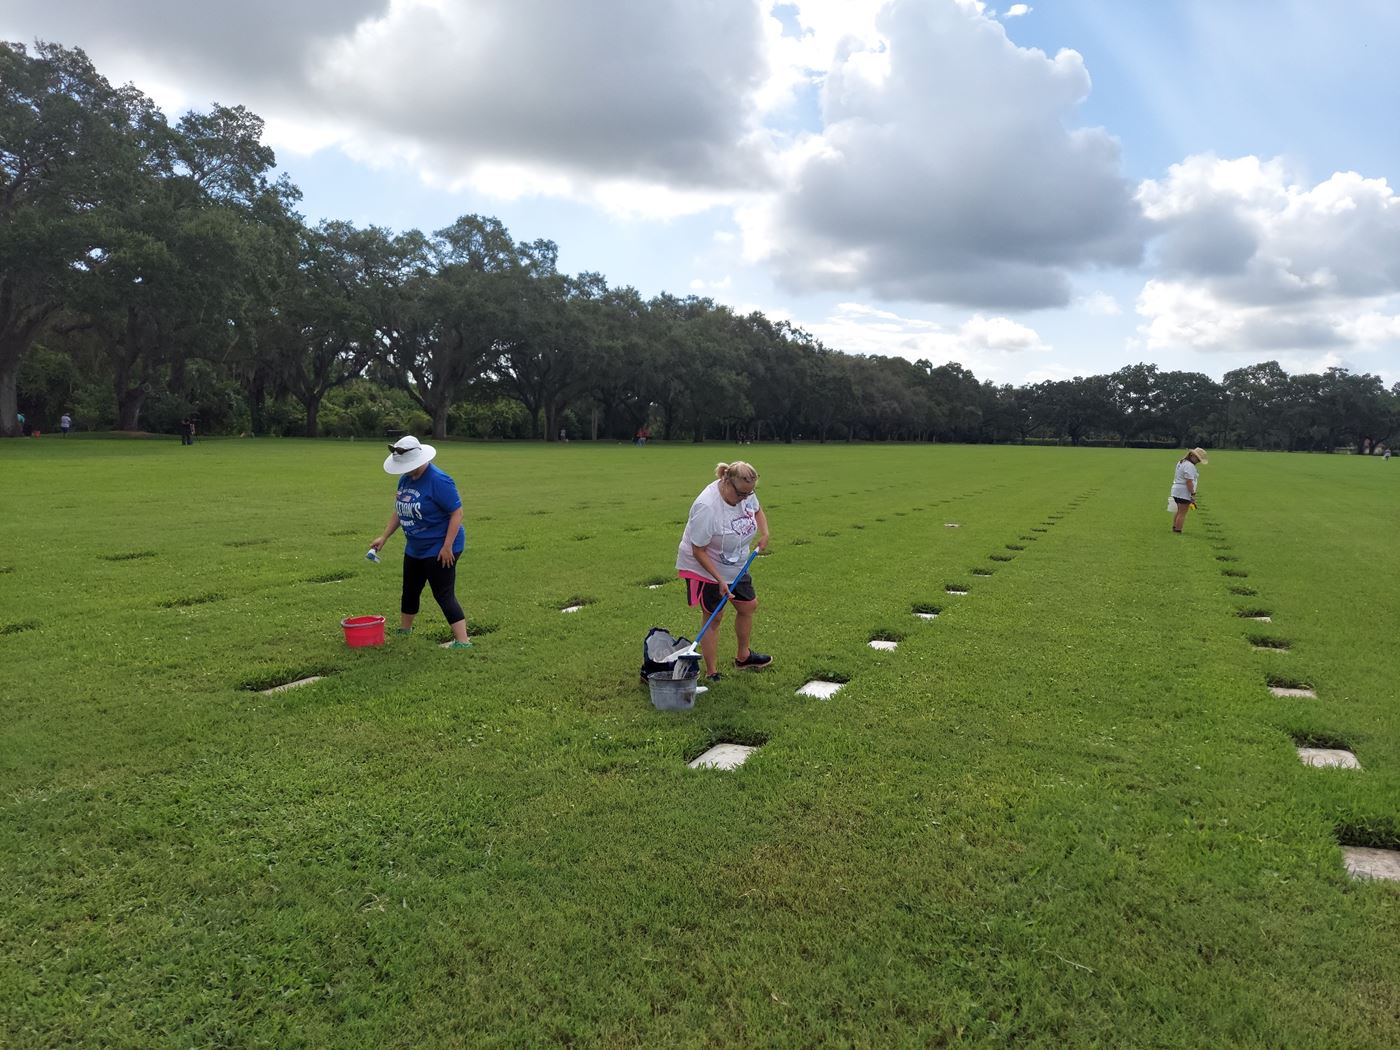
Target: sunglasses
pixel 399 451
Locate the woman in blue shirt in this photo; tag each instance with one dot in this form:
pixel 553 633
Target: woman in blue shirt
pixel 428 509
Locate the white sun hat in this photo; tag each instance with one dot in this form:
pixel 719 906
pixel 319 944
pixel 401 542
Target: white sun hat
pixel 406 454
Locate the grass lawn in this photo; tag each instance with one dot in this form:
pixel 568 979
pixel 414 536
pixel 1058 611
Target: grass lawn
pixel 1067 811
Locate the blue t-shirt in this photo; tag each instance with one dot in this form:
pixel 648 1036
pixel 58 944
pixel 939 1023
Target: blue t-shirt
pixel 425 506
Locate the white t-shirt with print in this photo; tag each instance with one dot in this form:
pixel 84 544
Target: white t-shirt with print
pixel 724 531
pixel 1185 470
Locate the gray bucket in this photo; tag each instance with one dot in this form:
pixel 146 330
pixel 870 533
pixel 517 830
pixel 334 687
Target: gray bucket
pixel 671 694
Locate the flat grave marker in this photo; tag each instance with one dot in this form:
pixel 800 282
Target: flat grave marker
pixel 723 756
pixel 1363 862
pixel 291 685
pixel 1328 756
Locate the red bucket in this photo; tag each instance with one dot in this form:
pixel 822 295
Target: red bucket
pixel 363 630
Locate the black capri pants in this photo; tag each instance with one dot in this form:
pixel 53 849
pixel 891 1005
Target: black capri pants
pixel 443 580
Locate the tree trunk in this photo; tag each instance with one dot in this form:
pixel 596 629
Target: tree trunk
pixel 257 399
pixel 313 410
pixel 19 330
pixel 440 413
pixel 594 434
pixel 129 403
pixel 9 398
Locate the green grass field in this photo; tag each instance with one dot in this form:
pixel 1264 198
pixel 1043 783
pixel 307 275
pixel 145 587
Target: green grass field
pixel 1065 812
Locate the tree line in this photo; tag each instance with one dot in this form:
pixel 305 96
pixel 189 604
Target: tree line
pixel 151 272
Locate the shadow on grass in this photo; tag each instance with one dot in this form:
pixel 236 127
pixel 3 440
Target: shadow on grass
pixel 196 599
pixel 1369 832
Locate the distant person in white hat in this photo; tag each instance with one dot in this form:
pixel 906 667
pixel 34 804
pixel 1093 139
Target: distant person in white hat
pixel 1184 483
pixel 428 509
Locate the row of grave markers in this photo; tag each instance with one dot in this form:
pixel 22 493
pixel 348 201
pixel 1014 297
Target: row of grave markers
pixel 1361 862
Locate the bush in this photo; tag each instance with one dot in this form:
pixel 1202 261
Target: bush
pixel 500 418
pixel 364 409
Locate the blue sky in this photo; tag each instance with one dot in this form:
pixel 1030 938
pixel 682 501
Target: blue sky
pixel 1033 190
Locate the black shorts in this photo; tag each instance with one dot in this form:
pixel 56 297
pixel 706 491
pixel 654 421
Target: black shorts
pixel 1182 502
pixel 707 595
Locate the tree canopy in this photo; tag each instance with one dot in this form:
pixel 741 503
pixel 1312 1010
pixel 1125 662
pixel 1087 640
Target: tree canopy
pixel 150 271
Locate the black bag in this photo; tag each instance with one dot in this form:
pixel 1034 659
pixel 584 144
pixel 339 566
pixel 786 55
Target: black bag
pixel 658 645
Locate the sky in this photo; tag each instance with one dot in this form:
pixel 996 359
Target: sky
pixel 1035 191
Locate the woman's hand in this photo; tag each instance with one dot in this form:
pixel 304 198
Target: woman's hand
pixel 446 558
pixel 378 543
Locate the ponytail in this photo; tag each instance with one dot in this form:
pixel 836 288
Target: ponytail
pixel 737 469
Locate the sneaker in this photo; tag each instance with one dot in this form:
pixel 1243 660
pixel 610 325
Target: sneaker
pixel 460 645
pixel 753 660
pixel 714 677
pixel 405 630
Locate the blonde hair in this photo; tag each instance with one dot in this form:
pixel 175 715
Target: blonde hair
pixel 737 469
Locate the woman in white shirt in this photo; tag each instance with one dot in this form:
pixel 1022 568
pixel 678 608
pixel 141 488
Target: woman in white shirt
pixel 723 520
pixel 1184 485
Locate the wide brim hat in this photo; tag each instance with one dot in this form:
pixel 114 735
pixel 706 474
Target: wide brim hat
pixel 1200 454
pixel 406 454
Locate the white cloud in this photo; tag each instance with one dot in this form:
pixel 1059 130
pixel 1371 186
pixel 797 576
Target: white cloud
pixel 657 93
pixel 795 64
pixel 1250 258
pixel 642 109
pixel 912 193
pixel 722 284
pixel 1017 10
pixel 1099 304
pixel 992 346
